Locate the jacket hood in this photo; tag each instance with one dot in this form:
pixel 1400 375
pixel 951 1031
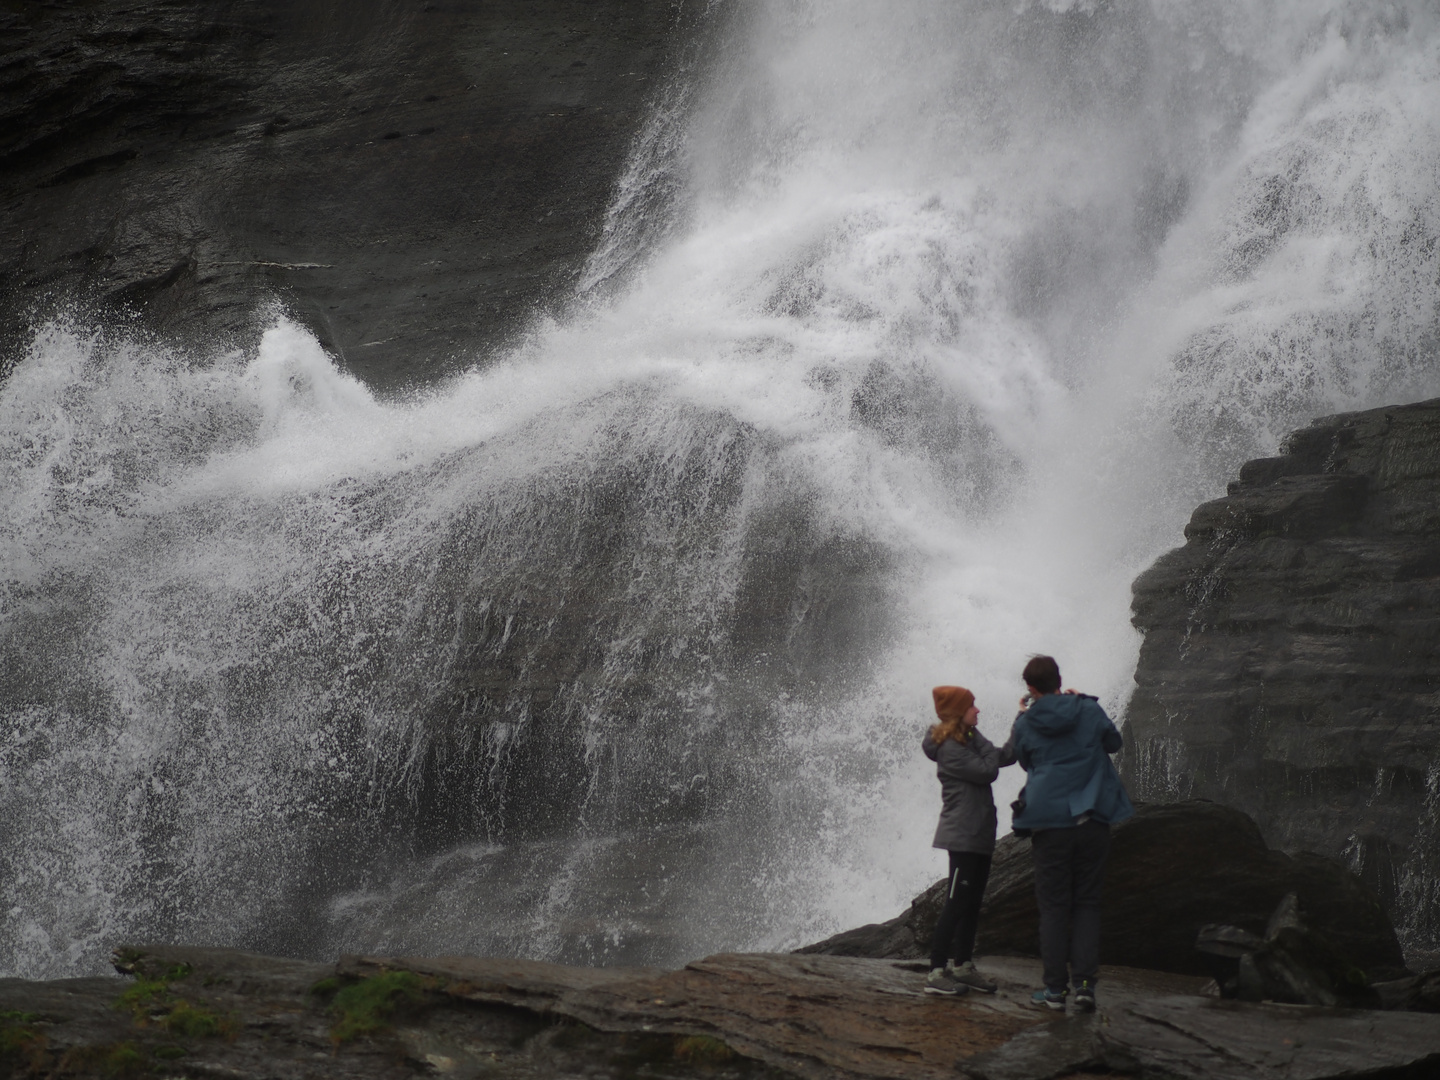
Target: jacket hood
pixel 1057 714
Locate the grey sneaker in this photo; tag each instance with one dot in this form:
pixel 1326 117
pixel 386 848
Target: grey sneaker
pixel 940 982
pixel 1085 996
pixel 968 974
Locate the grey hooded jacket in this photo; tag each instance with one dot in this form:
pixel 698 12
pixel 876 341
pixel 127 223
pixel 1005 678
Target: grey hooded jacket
pixel 966 771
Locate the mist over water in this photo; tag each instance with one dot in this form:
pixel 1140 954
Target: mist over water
pixel 918 329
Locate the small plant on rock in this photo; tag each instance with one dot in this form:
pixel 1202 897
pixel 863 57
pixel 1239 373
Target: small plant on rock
pixel 364 1007
pixel 186 1021
pixel 109 1059
pixel 20 1042
pixel 702 1050
pixel 125 1060
pixel 146 998
pixel 153 1001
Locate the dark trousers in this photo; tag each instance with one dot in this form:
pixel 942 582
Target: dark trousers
pixel 1069 872
pixel 960 917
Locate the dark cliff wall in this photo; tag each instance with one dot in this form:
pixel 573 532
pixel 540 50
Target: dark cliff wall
pixel 413 179
pixel 1291 662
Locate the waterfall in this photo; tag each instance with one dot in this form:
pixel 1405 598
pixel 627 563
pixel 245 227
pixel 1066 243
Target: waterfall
pixel 917 330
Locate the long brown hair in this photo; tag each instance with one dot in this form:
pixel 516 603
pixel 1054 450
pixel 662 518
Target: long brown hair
pixel 951 705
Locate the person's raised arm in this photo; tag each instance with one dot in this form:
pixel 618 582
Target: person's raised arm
pixel 1007 752
pixel 1110 738
pixel 1016 746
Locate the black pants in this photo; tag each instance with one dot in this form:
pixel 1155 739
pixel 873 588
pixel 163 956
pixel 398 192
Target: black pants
pixel 960 917
pixel 1069 872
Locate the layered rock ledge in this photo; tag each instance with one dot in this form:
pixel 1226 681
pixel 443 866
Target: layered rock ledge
pixel 218 1012
pixel 1291 662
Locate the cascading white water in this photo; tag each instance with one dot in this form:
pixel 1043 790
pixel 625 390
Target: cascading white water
pixel 620 646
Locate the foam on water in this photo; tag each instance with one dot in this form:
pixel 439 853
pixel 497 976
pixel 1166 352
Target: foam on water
pixel 983 298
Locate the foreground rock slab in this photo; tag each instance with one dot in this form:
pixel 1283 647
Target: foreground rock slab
pixel 1185 1038
pixel 218 1012
pixel 810 1016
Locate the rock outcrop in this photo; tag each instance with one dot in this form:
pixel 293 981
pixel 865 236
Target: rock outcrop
pixel 1291 662
pixel 218 1012
pixel 1291 964
pixel 412 180
pixel 1173 869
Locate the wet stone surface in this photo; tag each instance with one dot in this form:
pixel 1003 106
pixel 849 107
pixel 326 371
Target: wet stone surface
pixel 220 1012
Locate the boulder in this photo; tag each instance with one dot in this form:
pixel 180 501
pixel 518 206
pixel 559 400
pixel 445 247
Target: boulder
pixel 1291 964
pixel 1173 869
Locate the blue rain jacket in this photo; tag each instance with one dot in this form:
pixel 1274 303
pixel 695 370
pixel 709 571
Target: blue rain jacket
pixel 1064 743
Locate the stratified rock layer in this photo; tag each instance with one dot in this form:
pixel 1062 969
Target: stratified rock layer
pixel 1172 869
pixel 1291 662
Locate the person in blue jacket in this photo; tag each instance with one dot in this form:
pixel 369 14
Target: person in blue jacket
pixel 1072 796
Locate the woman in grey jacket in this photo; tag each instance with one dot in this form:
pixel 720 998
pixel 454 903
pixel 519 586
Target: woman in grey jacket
pixel 966 763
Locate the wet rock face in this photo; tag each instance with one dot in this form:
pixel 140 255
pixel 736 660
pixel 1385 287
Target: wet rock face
pixel 1289 666
pixel 1172 870
pixel 412 180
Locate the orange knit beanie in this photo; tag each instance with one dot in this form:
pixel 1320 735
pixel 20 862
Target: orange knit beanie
pixel 952 702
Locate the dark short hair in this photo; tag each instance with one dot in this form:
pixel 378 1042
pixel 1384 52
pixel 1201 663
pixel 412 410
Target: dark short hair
pixel 1043 673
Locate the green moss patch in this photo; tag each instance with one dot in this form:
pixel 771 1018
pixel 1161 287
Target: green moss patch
pixel 110 1059
pixel 189 1022
pixel 125 1060
pixel 153 1001
pixel 365 1007
pixel 145 997
pixel 21 1044
pixel 702 1050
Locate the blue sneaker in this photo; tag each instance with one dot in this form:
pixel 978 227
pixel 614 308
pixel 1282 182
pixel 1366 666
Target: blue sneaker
pixel 1049 999
pixel 1085 996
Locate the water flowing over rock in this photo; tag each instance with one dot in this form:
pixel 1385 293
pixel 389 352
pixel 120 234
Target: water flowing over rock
pixel 502 478
pixel 1292 654
pixel 1173 869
